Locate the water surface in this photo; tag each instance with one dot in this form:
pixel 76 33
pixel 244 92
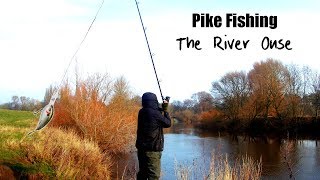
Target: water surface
pixel 193 149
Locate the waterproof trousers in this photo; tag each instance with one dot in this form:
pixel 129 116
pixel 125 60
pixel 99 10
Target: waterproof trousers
pixel 149 165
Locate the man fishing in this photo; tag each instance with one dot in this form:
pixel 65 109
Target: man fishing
pixel 150 138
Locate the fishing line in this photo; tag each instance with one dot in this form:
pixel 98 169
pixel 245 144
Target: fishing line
pixel 150 53
pixel 79 46
pixel 47 112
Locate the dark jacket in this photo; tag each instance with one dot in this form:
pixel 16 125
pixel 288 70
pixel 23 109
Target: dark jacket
pixel 150 124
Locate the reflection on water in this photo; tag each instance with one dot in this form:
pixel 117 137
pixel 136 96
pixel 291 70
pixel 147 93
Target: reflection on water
pixel 193 148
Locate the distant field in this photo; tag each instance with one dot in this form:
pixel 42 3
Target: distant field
pixel 21 119
pixel 14 125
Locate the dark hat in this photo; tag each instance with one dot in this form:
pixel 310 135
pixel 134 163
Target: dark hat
pixel 149 96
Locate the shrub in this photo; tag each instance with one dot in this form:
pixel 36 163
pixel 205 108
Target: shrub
pixel 221 168
pixel 56 153
pixel 210 115
pixel 186 115
pixel 100 111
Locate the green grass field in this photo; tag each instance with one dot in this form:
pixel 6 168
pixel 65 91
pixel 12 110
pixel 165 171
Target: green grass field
pixel 13 127
pixel 16 118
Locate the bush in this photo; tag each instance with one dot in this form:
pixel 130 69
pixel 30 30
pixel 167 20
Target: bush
pixel 55 153
pixel 186 115
pixel 220 168
pixel 100 111
pixel 211 115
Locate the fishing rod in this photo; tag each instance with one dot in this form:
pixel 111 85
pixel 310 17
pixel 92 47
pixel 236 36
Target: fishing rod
pixel 150 53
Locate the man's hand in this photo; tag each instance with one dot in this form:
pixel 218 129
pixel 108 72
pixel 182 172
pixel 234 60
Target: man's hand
pixel 165 105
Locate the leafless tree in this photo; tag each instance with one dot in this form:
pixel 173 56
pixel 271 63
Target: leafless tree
pixel 231 92
pixel 316 93
pixel 203 101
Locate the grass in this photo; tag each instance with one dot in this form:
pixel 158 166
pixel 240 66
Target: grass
pixel 221 169
pixel 16 118
pixel 13 126
pixel 50 153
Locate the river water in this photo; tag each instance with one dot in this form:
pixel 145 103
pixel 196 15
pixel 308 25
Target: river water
pixel 192 149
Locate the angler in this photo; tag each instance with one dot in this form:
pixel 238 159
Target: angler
pixel 151 122
pixel 150 140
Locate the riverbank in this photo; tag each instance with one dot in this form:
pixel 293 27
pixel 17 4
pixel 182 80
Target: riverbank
pixel 259 127
pixel 51 153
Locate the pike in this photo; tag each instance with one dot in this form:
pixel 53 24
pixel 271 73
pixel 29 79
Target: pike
pixel 46 114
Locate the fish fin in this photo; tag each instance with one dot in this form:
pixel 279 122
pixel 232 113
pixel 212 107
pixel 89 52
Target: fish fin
pixel 37 112
pixel 31 132
pixel 28 134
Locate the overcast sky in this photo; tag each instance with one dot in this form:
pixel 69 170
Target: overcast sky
pixel 39 37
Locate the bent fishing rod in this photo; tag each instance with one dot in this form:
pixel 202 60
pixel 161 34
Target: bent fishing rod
pixel 150 53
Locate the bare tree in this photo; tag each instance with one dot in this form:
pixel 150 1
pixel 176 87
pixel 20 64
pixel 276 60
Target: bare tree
pixel 306 90
pixel 24 102
pixel 294 91
pixel 15 104
pixel 316 93
pixel 49 92
pixel 188 103
pixel 231 92
pixel 121 88
pixel 203 101
pixel 98 86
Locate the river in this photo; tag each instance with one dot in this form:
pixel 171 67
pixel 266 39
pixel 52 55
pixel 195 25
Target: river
pixel 192 149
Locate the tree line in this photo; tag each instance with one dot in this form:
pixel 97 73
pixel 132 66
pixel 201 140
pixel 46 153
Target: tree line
pixel 269 90
pixel 22 103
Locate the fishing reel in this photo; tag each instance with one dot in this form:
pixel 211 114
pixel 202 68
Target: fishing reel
pixel 165 104
pixel 167 98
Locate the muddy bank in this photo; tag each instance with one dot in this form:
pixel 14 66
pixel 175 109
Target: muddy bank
pixel 6 173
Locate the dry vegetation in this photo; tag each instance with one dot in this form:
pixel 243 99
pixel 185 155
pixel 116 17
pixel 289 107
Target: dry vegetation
pixel 99 110
pixel 52 153
pixel 287 154
pixel 221 169
pixel 92 120
pixel 62 155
